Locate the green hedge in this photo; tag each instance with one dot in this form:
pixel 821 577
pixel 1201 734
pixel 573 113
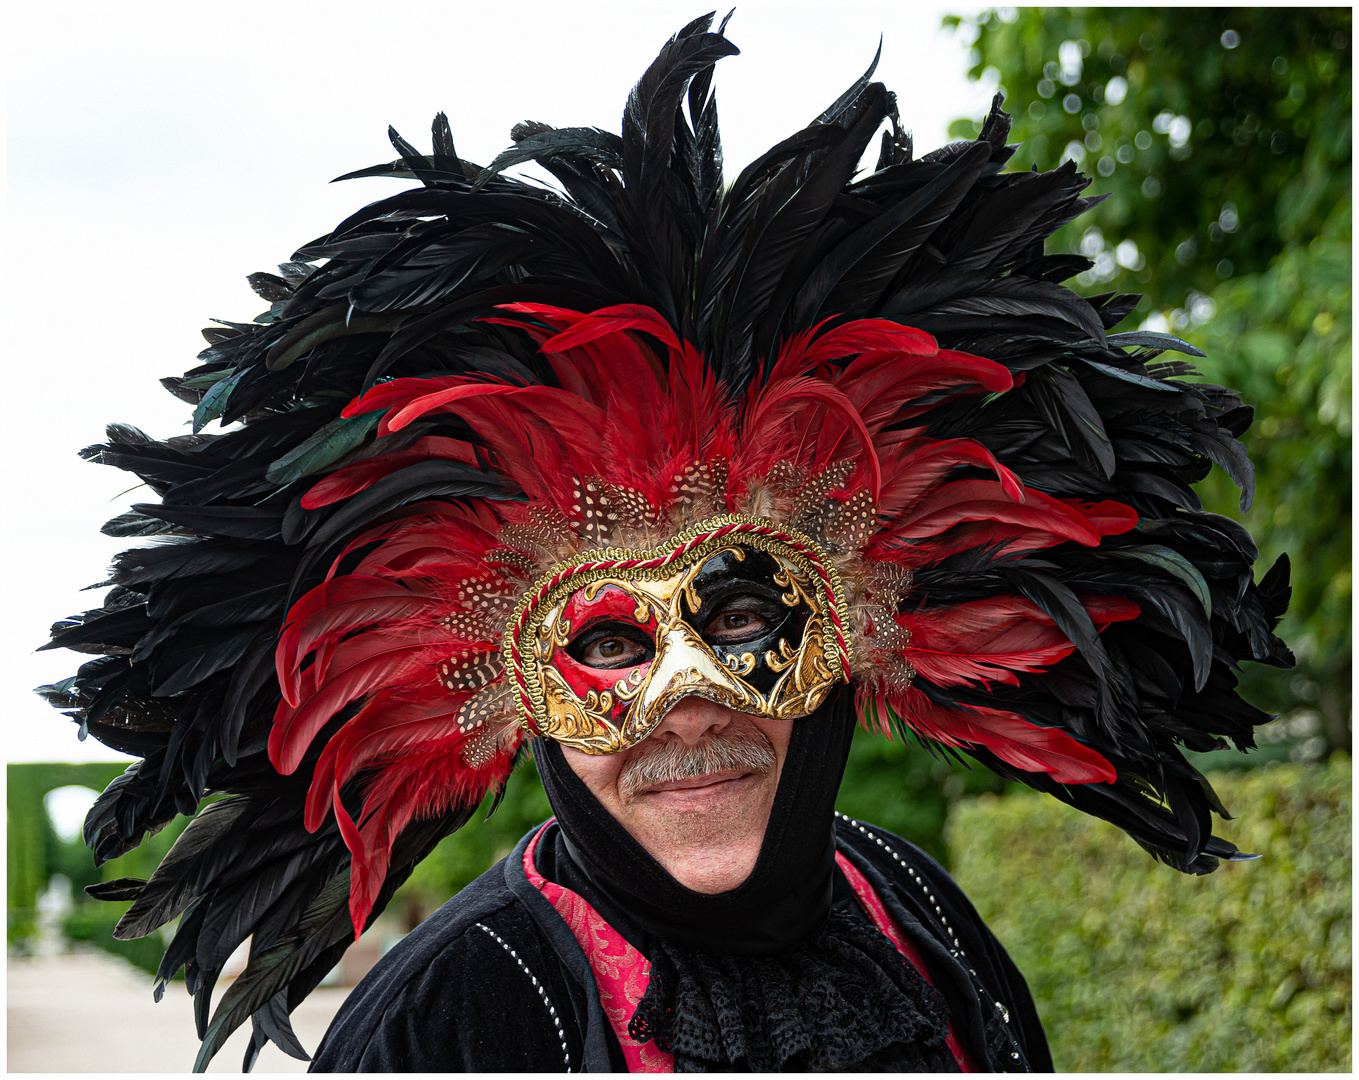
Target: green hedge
pixel 34 852
pixel 93 922
pixel 1136 968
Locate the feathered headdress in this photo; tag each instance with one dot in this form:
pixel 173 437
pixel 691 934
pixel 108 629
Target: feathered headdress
pixel 479 394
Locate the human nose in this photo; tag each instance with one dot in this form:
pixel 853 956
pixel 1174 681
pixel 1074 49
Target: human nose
pixel 689 719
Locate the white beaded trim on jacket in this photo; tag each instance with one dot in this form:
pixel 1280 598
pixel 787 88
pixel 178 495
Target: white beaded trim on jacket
pixel 542 992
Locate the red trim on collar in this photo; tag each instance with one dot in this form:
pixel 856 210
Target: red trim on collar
pixel 622 973
pixel 873 905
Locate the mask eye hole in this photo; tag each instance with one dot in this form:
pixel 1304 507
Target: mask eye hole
pixel 612 645
pixel 742 618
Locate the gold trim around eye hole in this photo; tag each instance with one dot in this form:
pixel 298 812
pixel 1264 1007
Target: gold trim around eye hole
pixel 641 612
pixel 687 589
pixel 798 593
pixel 683 554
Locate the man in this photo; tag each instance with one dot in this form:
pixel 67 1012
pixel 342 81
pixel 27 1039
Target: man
pixel 722 906
pixel 669 484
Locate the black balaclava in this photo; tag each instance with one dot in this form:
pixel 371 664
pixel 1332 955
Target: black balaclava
pixel 787 897
pixel 765 977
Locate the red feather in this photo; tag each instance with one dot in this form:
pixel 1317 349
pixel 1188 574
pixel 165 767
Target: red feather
pixel 982 641
pixel 886 386
pixel 383 727
pixel 446 526
pixel 992 640
pixel 870 336
pixel 358 666
pixel 1029 523
pixel 1105 610
pixel 543 400
pixel 424 784
pixel 607 321
pixel 333 609
pixel 398 393
pixel 1014 740
pixel 920 464
pixel 765 425
pixel 1109 517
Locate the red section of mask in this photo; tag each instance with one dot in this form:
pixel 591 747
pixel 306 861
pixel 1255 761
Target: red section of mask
pixel 610 604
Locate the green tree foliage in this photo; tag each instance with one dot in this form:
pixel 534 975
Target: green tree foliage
pixel 1283 338
pixel 1218 134
pixel 1136 968
pixel 1221 140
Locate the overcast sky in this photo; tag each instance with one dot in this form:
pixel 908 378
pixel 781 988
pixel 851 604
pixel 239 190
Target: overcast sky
pixel 157 153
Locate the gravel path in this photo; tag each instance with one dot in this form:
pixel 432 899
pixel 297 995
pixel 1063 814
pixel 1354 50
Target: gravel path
pixel 93 1013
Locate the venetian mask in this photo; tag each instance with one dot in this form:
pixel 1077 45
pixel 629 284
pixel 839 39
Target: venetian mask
pixel 736 610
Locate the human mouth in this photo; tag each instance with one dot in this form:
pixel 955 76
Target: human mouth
pixel 697 783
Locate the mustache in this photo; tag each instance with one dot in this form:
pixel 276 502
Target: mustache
pixel 733 749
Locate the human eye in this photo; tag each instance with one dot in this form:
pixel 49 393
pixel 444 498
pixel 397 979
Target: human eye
pixel 612 646
pixel 740 619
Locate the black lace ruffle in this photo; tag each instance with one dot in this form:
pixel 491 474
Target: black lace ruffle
pixel 846 1000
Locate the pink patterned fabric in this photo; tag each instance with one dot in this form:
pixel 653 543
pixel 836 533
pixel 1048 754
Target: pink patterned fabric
pixel 884 922
pixel 621 972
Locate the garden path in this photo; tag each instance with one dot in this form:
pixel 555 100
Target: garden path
pixel 88 1012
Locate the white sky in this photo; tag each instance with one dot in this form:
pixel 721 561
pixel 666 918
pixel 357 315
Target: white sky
pixel 158 153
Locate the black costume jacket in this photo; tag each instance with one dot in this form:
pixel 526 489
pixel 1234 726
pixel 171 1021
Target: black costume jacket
pixel 496 981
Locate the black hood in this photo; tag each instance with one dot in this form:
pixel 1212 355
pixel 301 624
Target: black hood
pixel 787 897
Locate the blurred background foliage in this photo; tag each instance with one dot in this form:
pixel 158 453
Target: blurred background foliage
pixel 39 860
pixel 1220 140
pixel 1135 968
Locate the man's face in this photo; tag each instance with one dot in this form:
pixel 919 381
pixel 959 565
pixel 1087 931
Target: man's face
pixel 697 792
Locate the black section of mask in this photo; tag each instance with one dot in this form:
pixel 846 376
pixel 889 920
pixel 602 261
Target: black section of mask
pixel 745 586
